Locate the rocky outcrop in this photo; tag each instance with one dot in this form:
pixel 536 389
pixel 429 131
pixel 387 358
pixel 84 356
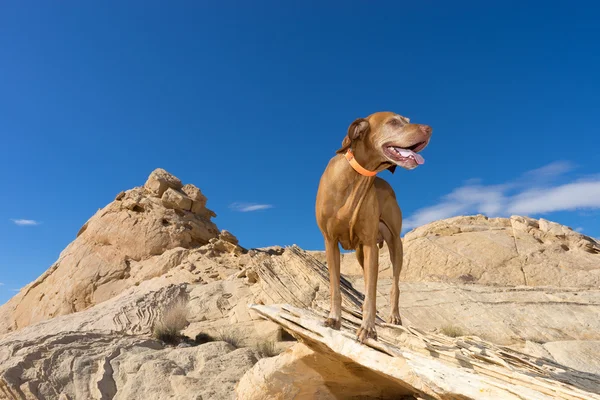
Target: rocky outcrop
pixel 107 349
pixel 84 329
pixel 96 365
pixel 402 362
pixel 495 251
pixel 144 233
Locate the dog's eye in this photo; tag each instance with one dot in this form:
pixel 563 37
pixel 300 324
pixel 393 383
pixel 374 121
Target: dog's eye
pixel 396 123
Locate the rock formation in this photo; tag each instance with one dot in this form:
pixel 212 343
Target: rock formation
pixel 402 362
pixel 495 251
pixel 84 329
pixel 142 234
pixel 106 351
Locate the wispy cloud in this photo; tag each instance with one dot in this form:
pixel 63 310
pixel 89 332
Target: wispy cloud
pixel 1 284
pixel 247 207
pixel 15 290
pixel 535 192
pixel 25 222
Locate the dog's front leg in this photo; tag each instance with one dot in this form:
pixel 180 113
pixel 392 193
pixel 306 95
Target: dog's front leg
pixel 371 269
pixel 332 252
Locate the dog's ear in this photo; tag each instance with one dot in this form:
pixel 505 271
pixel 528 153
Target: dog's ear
pixel 392 168
pixel 359 128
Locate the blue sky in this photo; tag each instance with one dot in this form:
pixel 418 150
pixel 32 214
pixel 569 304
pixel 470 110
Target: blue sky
pixel 249 100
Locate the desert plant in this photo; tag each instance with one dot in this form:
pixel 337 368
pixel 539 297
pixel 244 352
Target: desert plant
pixel 172 320
pixel 267 349
pixel 452 331
pixel 230 336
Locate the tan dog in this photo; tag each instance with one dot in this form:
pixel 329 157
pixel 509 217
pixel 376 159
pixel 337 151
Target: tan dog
pixel 359 211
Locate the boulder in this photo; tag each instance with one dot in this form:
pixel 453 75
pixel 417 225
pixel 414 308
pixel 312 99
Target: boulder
pixel 228 237
pixel 176 200
pixel 160 180
pixel 198 199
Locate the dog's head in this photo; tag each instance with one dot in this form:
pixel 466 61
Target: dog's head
pixel 388 138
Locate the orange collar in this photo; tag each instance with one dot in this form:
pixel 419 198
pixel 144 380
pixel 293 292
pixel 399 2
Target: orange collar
pixel 357 167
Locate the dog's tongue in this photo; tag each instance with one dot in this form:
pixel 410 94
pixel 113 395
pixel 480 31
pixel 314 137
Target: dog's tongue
pixel 415 156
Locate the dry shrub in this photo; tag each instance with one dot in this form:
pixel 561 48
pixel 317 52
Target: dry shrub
pixel 173 319
pixel 230 336
pixel 452 331
pixel 267 349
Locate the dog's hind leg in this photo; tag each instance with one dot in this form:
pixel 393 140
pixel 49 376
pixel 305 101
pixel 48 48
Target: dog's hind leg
pixel 396 254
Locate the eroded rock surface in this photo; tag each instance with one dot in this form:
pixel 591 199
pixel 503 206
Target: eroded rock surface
pixel 403 362
pixel 142 234
pixel 84 328
pixel 495 251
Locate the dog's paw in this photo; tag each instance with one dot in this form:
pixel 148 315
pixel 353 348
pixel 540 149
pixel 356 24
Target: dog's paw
pixel 394 319
pixel 365 332
pixel 333 323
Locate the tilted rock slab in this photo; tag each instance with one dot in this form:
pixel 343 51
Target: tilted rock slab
pixel 403 361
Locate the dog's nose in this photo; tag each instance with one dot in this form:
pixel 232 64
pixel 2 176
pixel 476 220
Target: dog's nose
pixel 426 129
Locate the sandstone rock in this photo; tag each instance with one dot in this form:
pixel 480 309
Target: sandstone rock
pixel 198 199
pixel 220 308
pixel 174 199
pixel 503 315
pixel 576 354
pixel 194 193
pixel 494 251
pixel 105 351
pixel 224 243
pixel 228 237
pixel 403 361
pixel 301 373
pixel 508 316
pixel 82 330
pixel 97 346
pixel 132 239
pixel 160 180
pixel 92 365
pixel 209 371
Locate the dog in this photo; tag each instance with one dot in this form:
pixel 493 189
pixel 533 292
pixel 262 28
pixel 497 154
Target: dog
pixel 359 211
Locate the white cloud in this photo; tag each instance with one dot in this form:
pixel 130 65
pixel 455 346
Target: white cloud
pixel 565 197
pixel 15 290
pixel 1 284
pixel 532 193
pixel 579 229
pixel 246 207
pixel 551 170
pixel 25 222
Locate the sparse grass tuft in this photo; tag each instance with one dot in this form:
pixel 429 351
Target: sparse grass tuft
pixel 172 320
pixel 267 349
pixel 452 331
pixel 229 336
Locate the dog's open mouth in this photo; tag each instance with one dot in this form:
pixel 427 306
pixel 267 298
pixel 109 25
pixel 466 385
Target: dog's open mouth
pixel 404 154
